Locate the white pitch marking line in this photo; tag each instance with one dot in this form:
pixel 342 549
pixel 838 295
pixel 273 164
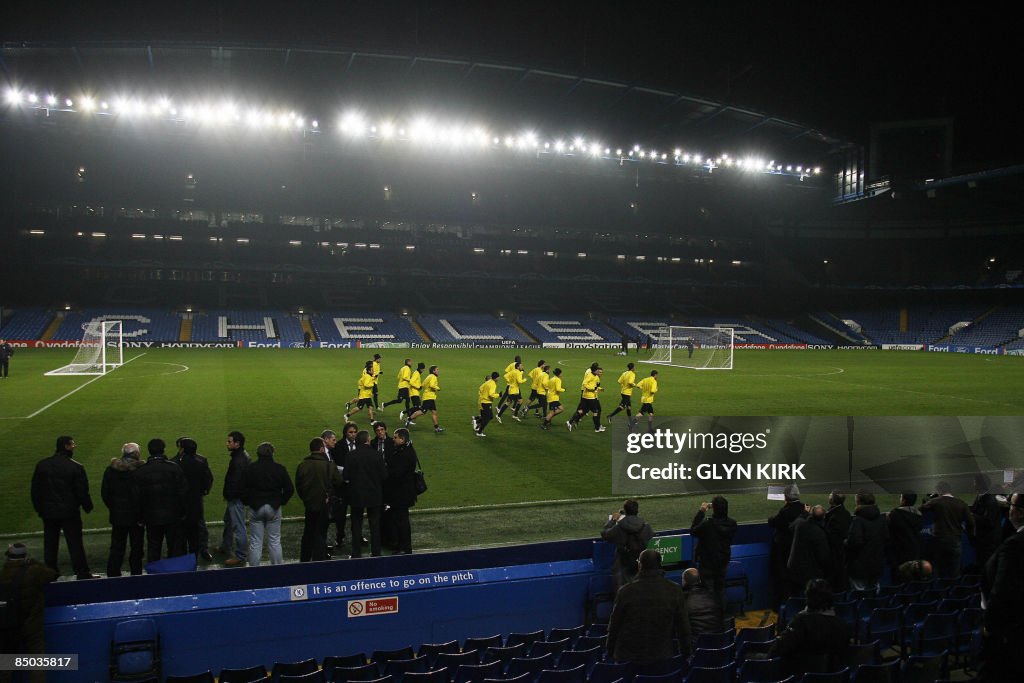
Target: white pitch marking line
pixel 78 388
pixel 184 368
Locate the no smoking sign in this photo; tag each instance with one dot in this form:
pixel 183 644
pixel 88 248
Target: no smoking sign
pixel 372 607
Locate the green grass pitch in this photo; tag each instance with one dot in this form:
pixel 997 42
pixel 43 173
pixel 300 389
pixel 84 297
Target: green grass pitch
pixel 287 396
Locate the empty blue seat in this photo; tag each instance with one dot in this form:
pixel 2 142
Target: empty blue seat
pixel 135 650
pixel 760 670
pixel 721 674
pixel 576 674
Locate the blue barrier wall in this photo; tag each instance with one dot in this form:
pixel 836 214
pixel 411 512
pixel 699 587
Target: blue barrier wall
pixel 241 617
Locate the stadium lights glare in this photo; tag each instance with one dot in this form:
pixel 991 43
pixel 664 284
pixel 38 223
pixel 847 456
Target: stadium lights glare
pixel 37 232
pixel 13 96
pixel 33 98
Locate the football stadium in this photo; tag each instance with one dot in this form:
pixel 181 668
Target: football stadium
pixel 434 302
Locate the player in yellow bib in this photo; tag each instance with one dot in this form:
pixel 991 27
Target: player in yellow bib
pixel 364 399
pixel 486 395
pixel 415 383
pixel 429 405
pixel 589 403
pixel 648 388
pixel 554 395
pixel 514 396
pixel 539 406
pixel 404 375
pixel 534 385
pixel 627 382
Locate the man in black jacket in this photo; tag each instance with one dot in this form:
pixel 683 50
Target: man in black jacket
pixel 837 528
pixel 316 481
pixel 59 488
pixel 952 518
pixel 266 488
pixel 865 544
pixel 200 481
pixel 6 351
pixel 782 540
pixel 365 472
pixel 809 556
pixel 905 524
pixel 1004 602
pixel 648 614
pixel 627 530
pixel 703 606
pixel 400 490
pixel 816 640
pixel 714 543
pixel 988 520
pixel 120 494
pixel 162 490
pixel 234 512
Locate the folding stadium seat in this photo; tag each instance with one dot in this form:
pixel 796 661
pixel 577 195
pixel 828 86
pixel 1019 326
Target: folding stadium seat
pixel 760 670
pixel 863 653
pixel 955 604
pixel 576 674
pixel 710 659
pixel 435 676
pixel 250 675
pixel 572 658
pixel 343 674
pixel 504 654
pixel 877 673
pixel 753 649
pixel 913 615
pixel 135 651
pixel 292 669
pixel 968 632
pixel 571 633
pixel 600 598
pixel 383 656
pixel 598 630
pixel 923 669
pixel 788 610
pixel 882 624
pixel 722 674
pixel 432 650
pixel 609 672
pixel 737 588
pixel 660 667
pixel 937 633
pixel 555 647
pixel 521 678
pixel 841 676
pixel 482 644
pixel 205 677
pixel 865 605
pixel 524 638
pixel 755 634
pixel 847 611
pixel 588 642
pixel 397 668
pixel 332 662
pixel 453 660
pixel 315 676
pixel 531 665
pixel 713 641
pixel 671 677
pixel 475 673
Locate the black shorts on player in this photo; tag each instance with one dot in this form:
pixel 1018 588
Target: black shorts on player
pixel 647 409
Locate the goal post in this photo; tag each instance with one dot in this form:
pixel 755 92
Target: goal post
pixel 100 351
pixel 698 348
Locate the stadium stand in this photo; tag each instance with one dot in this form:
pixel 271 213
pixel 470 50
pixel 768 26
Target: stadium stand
pixel 567 328
pixel 1001 326
pixel 460 327
pixel 140 324
pixel 247 326
pixel 363 326
pixel 26 323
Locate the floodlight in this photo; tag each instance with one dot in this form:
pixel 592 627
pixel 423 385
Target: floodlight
pixel 595 151
pixel 799 169
pixel 547 145
pixel 315 124
pixel 643 155
pixel 300 123
pixel 559 145
pixel 353 124
pixel 69 102
pixel 664 156
pixel 686 158
pixel 817 170
pixel 579 143
pixel 33 98
pixel 789 168
pixel 51 100
pixel 636 148
pixel 387 130
pixel 678 152
pixel 607 151
pixel 13 96
pixel 618 152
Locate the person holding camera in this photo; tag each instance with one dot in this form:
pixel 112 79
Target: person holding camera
pixel 952 517
pixel 714 542
pixel 630 533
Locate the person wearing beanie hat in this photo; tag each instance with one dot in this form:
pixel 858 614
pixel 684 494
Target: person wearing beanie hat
pixel 782 540
pixel 266 487
pixel 120 494
pixel 22 580
pixel 60 490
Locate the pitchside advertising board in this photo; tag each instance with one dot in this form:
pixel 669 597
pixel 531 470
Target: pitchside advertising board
pixel 711 455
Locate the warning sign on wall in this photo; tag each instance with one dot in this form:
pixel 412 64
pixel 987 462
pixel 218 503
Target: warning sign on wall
pixel 370 608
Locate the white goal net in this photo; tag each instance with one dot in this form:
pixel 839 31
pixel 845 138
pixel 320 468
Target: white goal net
pixel 101 350
pixel 699 348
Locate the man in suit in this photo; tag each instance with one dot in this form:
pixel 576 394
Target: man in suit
pixel 837 528
pixel 365 472
pixel 1003 593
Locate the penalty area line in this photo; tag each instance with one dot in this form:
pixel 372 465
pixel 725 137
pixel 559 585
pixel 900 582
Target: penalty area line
pixel 78 388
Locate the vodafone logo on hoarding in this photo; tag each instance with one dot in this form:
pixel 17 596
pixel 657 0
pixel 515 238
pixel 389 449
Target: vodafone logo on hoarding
pixel 372 607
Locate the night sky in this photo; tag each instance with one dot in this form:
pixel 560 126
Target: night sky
pixel 835 67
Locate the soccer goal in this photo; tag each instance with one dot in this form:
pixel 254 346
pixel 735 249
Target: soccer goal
pixel 101 350
pixel 699 348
